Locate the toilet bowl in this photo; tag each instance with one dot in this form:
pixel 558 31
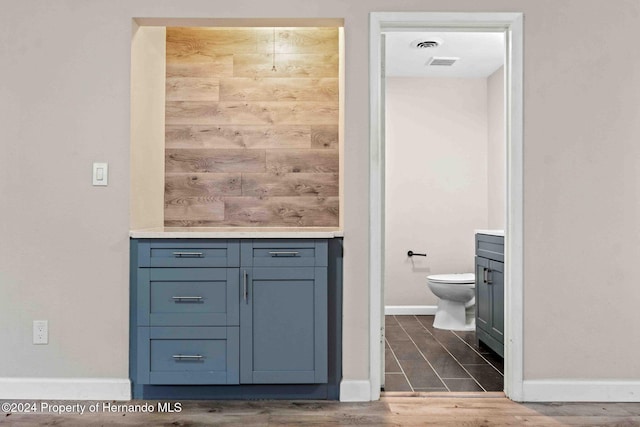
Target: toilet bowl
pixel 456 305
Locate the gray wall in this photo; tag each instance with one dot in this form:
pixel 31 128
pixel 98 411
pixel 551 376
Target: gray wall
pixel 64 86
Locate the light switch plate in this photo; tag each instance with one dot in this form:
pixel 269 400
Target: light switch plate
pixel 100 173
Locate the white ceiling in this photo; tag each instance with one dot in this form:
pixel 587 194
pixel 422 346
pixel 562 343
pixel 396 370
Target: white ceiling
pixel 480 54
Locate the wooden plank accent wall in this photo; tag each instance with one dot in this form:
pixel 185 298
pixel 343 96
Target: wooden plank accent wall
pixel 246 145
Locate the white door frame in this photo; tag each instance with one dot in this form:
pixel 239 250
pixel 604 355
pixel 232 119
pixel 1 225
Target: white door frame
pixel 512 25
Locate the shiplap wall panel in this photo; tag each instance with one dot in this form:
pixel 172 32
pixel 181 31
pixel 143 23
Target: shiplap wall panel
pixel 305 161
pixel 287 65
pixel 214 160
pixel 204 41
pixel 247 145
pixel 192 89
pixel 233 136
pixel 251 112
pixel 281 211
pixel 307 40
pixel 297 40
pixel 324 136
pixel 280 89
pixel 289 184
pixel 179 186
pixel 196 66
pixel 194 208
pixel 256 212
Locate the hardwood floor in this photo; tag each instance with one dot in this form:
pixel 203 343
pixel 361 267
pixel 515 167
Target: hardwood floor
pixel 424 410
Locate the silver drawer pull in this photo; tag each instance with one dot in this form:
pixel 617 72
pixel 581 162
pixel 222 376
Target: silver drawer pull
pixel 245 291
pixel 191 299
pixel 188 254
pixel 188 357
pixel 284 253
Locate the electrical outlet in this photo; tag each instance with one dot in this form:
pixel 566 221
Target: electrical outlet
pixel 41 332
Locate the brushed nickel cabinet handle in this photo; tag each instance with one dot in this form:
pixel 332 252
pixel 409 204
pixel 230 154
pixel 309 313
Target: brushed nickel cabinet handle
pixel 283 253
pixel 484 275
pixel 487 276
pixel 188 254
pixel 188 357
pixel 187 299
pixel 245 290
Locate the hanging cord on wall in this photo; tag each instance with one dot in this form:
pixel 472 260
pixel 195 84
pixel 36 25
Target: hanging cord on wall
pixel 273 54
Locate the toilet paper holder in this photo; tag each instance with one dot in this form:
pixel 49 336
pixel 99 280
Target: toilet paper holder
pixel 411 253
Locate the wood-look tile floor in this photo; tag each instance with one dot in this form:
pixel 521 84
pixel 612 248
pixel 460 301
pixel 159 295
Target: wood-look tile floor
pixel 420 358
pixel 451 410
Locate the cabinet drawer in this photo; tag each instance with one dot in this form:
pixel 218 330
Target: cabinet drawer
pixel 189 355
pixel 188 297
pixel 490 247
pixel 177 253
pixel 285 253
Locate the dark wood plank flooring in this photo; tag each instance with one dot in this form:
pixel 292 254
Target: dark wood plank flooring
pixel 420 358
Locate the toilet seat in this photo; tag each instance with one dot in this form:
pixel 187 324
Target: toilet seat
pixel 454 279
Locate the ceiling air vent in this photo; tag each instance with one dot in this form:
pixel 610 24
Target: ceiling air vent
pixel 442 61
pixel 427 44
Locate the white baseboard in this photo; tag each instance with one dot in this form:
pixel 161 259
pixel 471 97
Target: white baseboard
pixel 581 391
pixel 65 388
pixel 355 391
pixel 407 310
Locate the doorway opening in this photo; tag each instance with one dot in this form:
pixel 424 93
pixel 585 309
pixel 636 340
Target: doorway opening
pixel 385 30
pixel 444 180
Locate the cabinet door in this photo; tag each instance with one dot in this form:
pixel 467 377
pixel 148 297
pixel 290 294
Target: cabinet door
pixel 483 295
pixel 496 277
pixel 283 333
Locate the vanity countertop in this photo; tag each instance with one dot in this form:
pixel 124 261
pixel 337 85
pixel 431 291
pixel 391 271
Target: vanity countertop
pixel 491 232
pixel 236 233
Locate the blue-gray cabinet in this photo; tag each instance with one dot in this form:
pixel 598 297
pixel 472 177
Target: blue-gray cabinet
pixel 490 291
pixel 228 312
pixel 188 297
pixel 284 312
pixel 188 355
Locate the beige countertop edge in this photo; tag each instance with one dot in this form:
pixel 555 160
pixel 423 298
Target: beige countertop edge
pixel 491 232
pixel 202 233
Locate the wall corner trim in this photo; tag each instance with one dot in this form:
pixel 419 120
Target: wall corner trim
pixel 355 391
pixel 65 388
pixel 569 390
pixel 410 310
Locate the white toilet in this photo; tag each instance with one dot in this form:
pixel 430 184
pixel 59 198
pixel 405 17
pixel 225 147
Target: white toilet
pixel 456 307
